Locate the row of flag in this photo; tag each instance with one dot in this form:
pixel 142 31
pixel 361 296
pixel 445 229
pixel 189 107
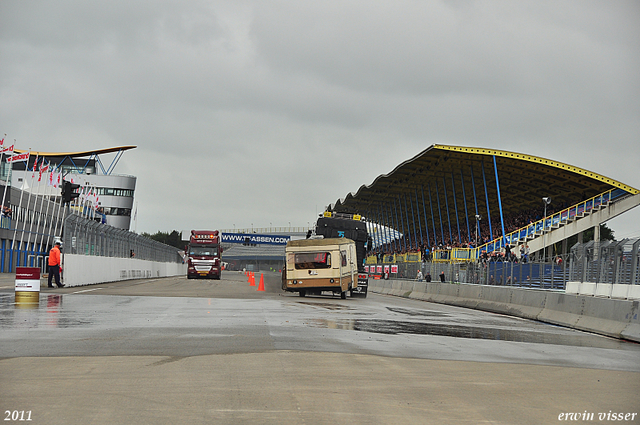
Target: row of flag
pixel 88 195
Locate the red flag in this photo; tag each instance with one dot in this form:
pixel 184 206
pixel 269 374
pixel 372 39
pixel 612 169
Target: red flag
pixel 19 157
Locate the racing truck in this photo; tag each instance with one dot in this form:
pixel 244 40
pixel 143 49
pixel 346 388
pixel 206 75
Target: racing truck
pixel 204 255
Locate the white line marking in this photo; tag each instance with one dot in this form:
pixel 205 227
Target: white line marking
pixel 86 290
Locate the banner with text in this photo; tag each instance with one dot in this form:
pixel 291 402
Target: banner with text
pixel 255 239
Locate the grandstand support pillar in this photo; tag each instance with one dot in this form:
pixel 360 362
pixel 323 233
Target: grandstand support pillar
pixel 426 223
pixel 433 221
pixel 495 167
pixel 383 226
pixel 564 246
pixel 395 207
pixel 446 203
pixel 440 214
pixel 475 201
pixel 418 214
pixel 455 205
pixel 385 216
pixel 464 201
pixel 376 227
pixel 389 220
pixel 406 231
pixel 413 218
pixel 486 196
pixel 580 237
pixel 406 213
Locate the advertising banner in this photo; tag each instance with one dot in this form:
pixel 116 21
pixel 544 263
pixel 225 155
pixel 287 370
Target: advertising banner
pixel 255 239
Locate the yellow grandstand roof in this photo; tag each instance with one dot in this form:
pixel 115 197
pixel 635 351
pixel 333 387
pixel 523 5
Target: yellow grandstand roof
pixel 449 175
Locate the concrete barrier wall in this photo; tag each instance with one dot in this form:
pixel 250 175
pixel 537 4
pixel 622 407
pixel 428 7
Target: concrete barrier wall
pixel 606 316
pixel 87 270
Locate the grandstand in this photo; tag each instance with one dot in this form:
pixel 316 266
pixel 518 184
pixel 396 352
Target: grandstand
pixel 467 201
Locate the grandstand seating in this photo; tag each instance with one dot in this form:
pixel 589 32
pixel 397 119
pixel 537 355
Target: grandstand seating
pixel 551 222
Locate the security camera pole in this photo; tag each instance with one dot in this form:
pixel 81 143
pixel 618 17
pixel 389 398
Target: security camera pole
pixel 69 192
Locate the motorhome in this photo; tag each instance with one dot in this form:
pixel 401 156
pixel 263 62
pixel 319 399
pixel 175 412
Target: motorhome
pixel 321 265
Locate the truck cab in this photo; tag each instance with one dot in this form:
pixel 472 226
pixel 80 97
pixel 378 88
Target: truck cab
pixel 204 255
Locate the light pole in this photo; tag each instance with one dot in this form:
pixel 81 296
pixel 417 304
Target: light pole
pixel 478 218
pixel 546 202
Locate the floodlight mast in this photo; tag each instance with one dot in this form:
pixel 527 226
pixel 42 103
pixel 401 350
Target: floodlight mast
pixel 546 201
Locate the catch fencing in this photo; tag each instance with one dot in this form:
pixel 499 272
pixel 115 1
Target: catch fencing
pixel 88 237
pixel 612 262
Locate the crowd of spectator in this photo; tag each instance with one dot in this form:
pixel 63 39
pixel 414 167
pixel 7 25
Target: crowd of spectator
pixel 408 243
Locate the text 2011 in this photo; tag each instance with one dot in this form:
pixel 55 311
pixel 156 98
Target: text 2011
pixel 17 415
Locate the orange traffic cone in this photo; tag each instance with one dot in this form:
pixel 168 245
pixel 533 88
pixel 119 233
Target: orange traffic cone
pixel 252 280
pixel 261 284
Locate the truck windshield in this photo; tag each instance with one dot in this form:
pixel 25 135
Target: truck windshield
pixel 204 251
pixel 313 260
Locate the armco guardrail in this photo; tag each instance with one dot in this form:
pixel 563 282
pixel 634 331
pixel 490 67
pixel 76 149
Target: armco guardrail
pixel 611 317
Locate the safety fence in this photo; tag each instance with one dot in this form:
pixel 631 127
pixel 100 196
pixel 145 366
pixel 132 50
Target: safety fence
pixel 88 237
pixel 612 262
pixel 530 274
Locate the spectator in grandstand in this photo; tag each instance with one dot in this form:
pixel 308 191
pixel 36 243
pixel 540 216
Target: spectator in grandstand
pixel 6 211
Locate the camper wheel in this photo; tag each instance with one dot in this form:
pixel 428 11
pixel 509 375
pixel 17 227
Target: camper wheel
pixel 302 293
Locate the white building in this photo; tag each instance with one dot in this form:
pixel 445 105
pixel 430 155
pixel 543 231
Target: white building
pixel 115 192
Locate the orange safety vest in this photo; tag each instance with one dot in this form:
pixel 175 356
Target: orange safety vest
pixel 54 256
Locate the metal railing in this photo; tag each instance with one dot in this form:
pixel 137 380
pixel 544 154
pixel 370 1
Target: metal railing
pixel 616 262
pixel 88 237
pixel 551 222
pixel 269 230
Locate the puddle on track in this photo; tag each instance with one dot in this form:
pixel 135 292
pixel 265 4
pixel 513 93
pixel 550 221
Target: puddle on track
pixel 390 327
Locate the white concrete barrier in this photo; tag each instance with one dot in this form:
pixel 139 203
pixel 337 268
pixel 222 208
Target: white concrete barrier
pixel 612 317
pixel 87 269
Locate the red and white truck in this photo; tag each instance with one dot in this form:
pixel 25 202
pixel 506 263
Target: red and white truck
pixel 204 255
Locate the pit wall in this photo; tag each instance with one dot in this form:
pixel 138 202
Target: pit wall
pixel 81 270
pixel 611 317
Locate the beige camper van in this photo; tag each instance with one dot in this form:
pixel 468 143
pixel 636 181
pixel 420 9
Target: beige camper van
pixel 317 265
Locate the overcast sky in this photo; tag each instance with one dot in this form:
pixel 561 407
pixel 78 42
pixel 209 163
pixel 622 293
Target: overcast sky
pixel 263 112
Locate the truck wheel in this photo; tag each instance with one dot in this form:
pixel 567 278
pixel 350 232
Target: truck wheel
pixel 302 293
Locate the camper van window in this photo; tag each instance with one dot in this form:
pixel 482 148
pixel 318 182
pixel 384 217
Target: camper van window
pixel 314 260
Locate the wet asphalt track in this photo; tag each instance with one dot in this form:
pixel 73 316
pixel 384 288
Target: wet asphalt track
pixel 119 329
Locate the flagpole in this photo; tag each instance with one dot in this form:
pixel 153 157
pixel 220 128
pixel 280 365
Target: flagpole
pixel 35 207
pixel 15 229
pixel 24 224
pixel 6 183
pixel 35 238
pixel 55 185
pixel 46 214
